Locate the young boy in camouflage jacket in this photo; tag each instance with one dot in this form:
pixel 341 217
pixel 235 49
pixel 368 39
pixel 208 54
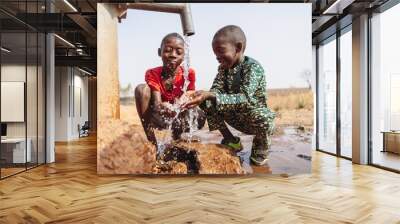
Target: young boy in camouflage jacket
pixel 238 95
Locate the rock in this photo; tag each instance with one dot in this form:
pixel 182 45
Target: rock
pixel 123 149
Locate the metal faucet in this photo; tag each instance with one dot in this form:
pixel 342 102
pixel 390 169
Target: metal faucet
pixel 183 9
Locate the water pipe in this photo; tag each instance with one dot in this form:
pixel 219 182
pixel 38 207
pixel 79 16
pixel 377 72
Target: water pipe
pixel 183 9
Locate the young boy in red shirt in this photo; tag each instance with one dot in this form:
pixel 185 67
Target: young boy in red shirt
pixel 164 87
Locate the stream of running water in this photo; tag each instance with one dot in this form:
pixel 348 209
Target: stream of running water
pixel 192 113
pixel 190 117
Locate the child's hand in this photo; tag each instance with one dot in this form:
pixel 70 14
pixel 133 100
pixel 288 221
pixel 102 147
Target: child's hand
pixel 197 98
pixel 189 94
pixel 185 97
pixel 166 109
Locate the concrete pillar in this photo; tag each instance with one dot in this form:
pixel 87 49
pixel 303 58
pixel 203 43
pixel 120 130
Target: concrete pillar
pixel 63 101
pixel 50 99
pixel 314 89
pixel 107 58
pixel 360 89
pixel 50 92
pixel 92 99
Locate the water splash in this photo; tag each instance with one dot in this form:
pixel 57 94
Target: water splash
pixel 192 113
pixel 191 116
pixel 165 136
pixel 193 123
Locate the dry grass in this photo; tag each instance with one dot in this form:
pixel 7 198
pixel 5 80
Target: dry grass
pixel 290 99
pixel 294 107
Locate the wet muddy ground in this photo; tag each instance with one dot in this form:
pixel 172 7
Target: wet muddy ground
pixel 290 152
pixel 126 151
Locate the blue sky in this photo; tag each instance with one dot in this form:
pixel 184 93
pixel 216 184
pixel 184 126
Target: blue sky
pixel 278 36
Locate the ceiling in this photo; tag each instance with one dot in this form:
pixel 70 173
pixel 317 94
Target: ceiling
pixel 74 22
pixel 331 15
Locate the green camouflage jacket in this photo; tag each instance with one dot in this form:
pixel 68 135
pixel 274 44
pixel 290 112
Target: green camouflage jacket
pixel 242 88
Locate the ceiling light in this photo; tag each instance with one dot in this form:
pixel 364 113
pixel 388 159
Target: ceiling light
pixel 70 5
pixel 338 6
pixel 65 41
pixel 5 50
pixel 80 51
pixel 84 71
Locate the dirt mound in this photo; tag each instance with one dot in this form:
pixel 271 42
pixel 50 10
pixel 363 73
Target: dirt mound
pixel 123 149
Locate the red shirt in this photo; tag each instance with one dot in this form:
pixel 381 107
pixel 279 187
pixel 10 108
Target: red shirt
pixel 154 80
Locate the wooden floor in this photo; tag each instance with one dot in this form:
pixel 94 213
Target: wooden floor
pixel 5 172
pixel 70 191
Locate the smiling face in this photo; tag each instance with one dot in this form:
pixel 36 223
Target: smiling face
pixel 228 54
pixel 172 52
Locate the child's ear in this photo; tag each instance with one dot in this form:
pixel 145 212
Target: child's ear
pixel 159 52
pixel 239 47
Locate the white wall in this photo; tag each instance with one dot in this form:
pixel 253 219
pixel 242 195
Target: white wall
pixel 80 109
pixel 33 127
pixel 16 73
pixel 13 101
pixel 71 94
pixel 62 82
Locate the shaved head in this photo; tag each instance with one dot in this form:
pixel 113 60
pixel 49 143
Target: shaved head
pixel 232 33
pixel 171 35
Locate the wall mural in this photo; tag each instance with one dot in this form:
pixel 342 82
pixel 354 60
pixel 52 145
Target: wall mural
pixel 182 92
